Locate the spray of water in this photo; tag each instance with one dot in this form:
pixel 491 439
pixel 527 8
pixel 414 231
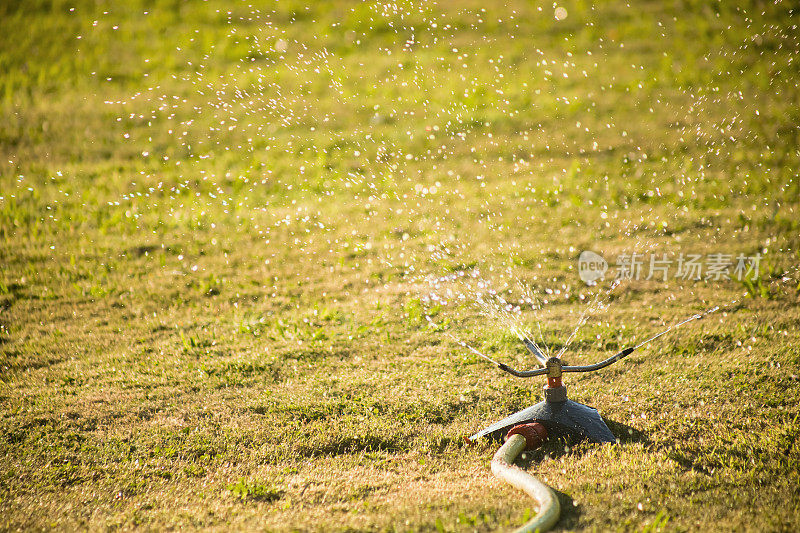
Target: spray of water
pixel 314 123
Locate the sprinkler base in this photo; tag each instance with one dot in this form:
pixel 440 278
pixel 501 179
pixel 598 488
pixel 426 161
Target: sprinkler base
pixel 561 418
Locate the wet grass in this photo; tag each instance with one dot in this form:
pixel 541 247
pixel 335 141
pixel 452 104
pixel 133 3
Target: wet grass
pixel 230 333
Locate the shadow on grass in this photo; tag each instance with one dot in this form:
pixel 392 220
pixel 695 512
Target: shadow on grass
pixel 626 434
pixel 354 444
pixel 570 513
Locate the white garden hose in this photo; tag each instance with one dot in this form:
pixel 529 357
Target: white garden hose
pixel 503 467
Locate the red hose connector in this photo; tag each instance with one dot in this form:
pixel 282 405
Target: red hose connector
pixel 534 433
pixel 554 382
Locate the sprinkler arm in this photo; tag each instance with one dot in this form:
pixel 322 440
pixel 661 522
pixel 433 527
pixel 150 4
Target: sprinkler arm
pixel 586 368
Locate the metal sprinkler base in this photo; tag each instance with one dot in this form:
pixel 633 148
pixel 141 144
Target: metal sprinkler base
pixel 561 418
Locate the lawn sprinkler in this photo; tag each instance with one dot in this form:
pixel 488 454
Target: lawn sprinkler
pixel 555 415
pixel 559 415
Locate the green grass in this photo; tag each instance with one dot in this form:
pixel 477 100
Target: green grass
pixel 214 304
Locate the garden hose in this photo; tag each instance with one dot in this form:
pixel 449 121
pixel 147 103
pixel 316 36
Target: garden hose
pixel 519 438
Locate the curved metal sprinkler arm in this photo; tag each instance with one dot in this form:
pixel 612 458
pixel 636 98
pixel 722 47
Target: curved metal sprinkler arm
pixel 597 366
pixel 586 368
pixel 522 373
pixel 602 364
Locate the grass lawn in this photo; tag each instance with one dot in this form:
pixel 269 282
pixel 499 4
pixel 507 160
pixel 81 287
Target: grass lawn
pixel 238 244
